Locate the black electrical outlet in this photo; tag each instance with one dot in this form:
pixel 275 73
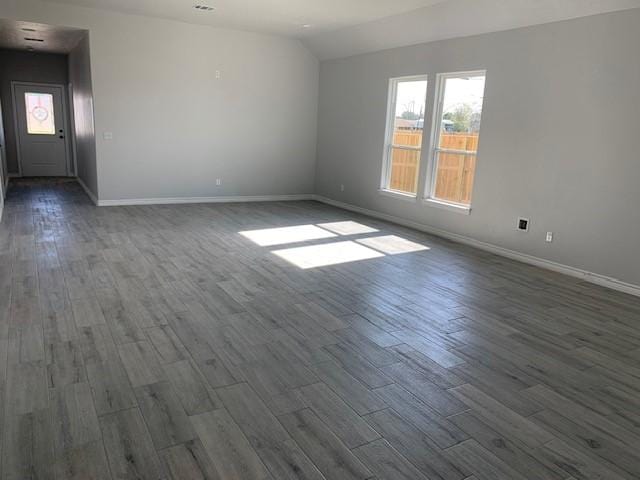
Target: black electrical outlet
pixel 523 224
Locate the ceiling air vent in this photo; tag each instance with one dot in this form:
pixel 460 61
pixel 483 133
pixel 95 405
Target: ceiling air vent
pixel 204 8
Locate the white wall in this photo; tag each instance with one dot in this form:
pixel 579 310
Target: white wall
pixel 83 114
pixel 175 127
pixel 558 141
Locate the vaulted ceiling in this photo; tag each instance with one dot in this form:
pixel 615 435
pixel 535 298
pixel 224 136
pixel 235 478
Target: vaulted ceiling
pixel 340 28
pixel 451 19
pixel 285 17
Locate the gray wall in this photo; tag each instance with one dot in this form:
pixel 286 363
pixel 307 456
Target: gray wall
pixel 3 163
pixel 558 141
pixel 25 67
pixel 82 105
pixel 176 128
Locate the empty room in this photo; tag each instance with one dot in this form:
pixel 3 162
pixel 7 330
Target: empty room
pixel 319 240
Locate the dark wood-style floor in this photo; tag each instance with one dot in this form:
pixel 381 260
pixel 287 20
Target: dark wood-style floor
pixel 157 342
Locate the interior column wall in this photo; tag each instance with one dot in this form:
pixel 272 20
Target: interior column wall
pixel 83 115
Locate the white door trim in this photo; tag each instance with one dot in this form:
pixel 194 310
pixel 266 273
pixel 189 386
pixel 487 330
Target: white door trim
pixel 65 120
pixel 73 169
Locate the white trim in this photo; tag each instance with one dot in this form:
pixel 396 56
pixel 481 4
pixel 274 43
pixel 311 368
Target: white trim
pixel 72 132
pixel 181 200
pixel 407 197
pixel 405 147
pixel 390 124
pixel 65 120
pixel 16 128
pixel 452 207
pixel 590 277
pixel 436 129
pixel 87 191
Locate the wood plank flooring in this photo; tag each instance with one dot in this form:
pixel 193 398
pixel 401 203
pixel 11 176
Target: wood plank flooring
pixel 186 342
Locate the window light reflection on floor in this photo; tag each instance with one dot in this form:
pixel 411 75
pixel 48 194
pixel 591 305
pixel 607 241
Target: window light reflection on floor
pixel 268 237
pixel 347 228
pixel 314 256
pixel 392 244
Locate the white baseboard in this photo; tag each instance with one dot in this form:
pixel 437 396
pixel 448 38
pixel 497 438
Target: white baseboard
pixel 184 200
pixel 87 191
pixel 590 277
pixel 181 200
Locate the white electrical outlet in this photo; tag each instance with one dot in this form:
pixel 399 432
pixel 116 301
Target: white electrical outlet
pixel 218 182
pixel 342 188
pixel 107 135
pixel 218 74
pixel 549 237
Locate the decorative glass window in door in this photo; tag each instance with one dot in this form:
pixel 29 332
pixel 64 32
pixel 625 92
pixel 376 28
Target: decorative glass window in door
pixel 40 117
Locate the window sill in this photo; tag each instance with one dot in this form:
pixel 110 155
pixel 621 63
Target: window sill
pixel 407 197
pixel 452 207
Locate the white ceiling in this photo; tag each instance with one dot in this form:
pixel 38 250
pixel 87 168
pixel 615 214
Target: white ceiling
pixel 284 17
pixel 340 28
pixel 452 19
pixel 14 35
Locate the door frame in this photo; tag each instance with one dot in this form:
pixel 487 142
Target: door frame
pixel 65 121
pixel 4 170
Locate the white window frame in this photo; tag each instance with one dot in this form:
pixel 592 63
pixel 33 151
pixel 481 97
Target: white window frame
pixel 432 163
pixel 388 138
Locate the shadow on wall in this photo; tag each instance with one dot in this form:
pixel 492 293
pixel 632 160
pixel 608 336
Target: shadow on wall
pixel 83 115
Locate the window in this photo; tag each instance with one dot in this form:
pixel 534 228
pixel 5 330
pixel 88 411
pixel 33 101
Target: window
pixel 457 130
pixel 405 125
pixel 40 118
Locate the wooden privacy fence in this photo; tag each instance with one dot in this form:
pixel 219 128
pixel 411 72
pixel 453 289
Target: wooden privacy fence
pixel 455 171
pixel 404 163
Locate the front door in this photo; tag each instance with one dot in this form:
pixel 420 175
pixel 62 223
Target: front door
pixel 43 146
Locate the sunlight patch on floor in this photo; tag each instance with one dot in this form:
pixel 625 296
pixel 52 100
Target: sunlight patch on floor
pixel 392 244
pixel 314 256
pixel 347 228
pixel 268 237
